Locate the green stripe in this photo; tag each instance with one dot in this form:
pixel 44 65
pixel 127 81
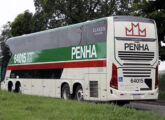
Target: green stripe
pixel 82 52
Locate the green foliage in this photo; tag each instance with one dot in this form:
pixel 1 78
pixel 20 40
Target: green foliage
pixel 162 87
pixel 162 52
pixel 124 7
pixel 64 12
pixel 5 54
pixel 38 22
pixel 22 24
pixel 18 107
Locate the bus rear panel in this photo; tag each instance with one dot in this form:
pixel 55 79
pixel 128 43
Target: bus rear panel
pixel 135 64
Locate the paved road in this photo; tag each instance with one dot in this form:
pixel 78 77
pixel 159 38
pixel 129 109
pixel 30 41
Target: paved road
pixel 160 110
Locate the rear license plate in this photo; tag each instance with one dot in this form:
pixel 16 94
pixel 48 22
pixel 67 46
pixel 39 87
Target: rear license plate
pixel 136 96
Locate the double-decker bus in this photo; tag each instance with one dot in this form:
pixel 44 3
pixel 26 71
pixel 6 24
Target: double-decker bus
pixel 108 59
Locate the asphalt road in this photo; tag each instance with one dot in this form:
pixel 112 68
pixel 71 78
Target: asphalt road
pixel 158 109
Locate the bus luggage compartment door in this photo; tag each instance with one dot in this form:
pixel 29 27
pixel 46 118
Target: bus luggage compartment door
pixel 95 87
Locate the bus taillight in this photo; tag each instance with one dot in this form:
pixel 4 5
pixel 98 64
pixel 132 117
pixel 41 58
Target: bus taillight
pixel 114 82
pixel 156 77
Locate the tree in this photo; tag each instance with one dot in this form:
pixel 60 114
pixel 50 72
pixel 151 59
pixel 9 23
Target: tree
pixel 5 53
pixel 63 12
pixel 6 33
pixel 38 22
pixel 22 24
pixel 154 10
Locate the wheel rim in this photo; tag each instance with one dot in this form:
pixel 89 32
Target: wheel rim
pixel 66 94
pixel 80 95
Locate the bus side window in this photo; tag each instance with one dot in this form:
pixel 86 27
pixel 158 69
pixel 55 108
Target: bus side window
pixel 12 75
pixel 37 74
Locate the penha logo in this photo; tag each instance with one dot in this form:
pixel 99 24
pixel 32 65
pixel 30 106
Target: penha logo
pixel 135 31
pixel 84 52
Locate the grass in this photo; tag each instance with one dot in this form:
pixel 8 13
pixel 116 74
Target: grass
pixel 162 87
pixel 23 107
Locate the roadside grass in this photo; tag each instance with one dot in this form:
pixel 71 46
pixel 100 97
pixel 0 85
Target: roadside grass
pixel 162 87
pixel 24 107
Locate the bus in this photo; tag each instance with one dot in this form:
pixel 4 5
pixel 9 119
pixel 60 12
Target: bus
pixel 108 59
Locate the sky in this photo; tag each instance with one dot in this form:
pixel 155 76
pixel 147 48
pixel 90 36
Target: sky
pixel 9 9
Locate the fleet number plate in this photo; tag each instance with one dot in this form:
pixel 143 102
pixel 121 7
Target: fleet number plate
pixel 137 80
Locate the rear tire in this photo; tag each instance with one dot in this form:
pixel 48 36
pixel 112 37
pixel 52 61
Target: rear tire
pixel 10 86
pixel 66 92
pixel 79 94
pixel 17 90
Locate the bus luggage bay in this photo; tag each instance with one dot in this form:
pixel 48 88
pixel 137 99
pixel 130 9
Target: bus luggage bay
pixel 112 58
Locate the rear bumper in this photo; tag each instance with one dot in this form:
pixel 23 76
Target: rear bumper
pixel 123 95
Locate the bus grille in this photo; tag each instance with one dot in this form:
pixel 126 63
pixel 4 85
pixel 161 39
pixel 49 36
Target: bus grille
pixel 136 72
pixel 138 56
pixel 93 88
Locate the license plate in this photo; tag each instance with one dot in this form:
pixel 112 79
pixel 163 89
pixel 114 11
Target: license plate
pixel 136 96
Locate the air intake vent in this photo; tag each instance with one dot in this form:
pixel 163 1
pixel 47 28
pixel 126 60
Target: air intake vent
pixel 138 56
pixel 93 88
pixel 135 64
pixel 136 72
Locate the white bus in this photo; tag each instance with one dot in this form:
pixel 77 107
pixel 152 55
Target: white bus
pixel 108 59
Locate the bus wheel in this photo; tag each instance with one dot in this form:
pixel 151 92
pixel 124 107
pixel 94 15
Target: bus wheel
pixel 79 94
pixel 17 87
pixel 66 92
pixel 10 85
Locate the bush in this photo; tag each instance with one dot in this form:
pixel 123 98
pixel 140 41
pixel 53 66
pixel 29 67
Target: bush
pixel 162 87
